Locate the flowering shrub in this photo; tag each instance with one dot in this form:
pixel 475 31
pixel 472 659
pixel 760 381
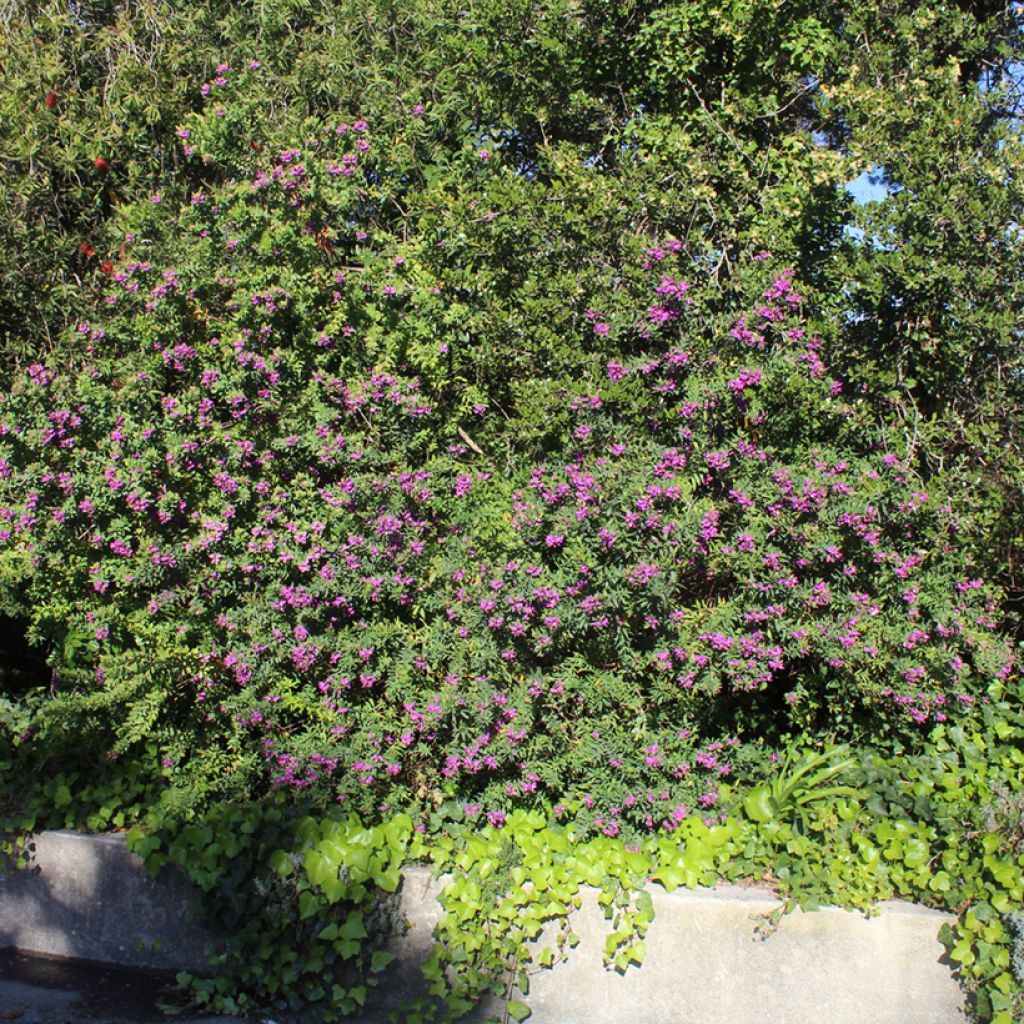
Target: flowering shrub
pixel 623 123
pixel 277 511
pixel 435 439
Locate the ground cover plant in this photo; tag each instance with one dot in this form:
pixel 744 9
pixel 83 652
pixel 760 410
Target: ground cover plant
pixel 497 438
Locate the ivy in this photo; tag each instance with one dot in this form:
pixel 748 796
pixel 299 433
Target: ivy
pixel 308 902
pixel 923 829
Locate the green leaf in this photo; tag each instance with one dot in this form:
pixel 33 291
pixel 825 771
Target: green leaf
pixel 517 1010
pixel 308 904
pixel 281 863
pixel 380 960
pixel 759 805
pixel 354 926
pixel 388 880
pixel 670 877
pixel 915 852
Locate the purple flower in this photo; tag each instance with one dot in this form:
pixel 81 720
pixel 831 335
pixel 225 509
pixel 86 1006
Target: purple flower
pixel 746 379
pixel 709 526
pixel 643 573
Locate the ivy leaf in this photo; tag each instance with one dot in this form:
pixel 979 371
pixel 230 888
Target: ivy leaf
pixel 281 863
pixel 308 904
pixel 670 877
pixel 388 880
pixel 354 926
pixel 380 960
pixel 518 1010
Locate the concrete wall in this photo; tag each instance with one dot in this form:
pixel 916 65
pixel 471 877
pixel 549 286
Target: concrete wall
pixel 704 966
pixel 88 897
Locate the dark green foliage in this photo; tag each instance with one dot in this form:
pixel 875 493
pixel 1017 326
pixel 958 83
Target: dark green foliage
pixel 507 408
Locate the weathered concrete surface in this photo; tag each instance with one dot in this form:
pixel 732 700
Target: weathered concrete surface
pixel 704 966
pixel 90 898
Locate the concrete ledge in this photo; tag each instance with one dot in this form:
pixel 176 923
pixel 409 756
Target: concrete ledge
pixel 87 897
pixel 704 966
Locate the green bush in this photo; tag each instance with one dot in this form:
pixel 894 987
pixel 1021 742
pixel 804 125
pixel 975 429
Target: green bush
pixel 531 452
pixel 255 517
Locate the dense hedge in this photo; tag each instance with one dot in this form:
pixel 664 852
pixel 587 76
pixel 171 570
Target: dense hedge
pixel 506 410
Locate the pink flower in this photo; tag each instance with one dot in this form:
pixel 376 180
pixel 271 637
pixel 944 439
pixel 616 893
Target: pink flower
pixel 643 573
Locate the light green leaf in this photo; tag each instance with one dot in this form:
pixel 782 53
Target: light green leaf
pixel 517 1010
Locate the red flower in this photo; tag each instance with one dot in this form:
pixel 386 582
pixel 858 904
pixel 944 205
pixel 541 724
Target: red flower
pixel 107 267
pixel 101 164
pixel 87 250
pixel 51 99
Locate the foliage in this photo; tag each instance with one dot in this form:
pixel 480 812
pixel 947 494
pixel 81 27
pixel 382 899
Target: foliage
pixel 505 416
pixel 246 523
pixel 296 893
pixel 299 902
pixel 729 125
pixel 794 786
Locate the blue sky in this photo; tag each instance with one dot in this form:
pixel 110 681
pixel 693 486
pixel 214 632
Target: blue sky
pixel 864 191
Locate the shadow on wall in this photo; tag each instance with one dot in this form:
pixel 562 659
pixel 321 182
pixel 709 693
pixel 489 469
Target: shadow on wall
pixel 87 897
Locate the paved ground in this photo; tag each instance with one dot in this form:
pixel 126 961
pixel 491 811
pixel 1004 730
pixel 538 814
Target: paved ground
pixel 38 991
